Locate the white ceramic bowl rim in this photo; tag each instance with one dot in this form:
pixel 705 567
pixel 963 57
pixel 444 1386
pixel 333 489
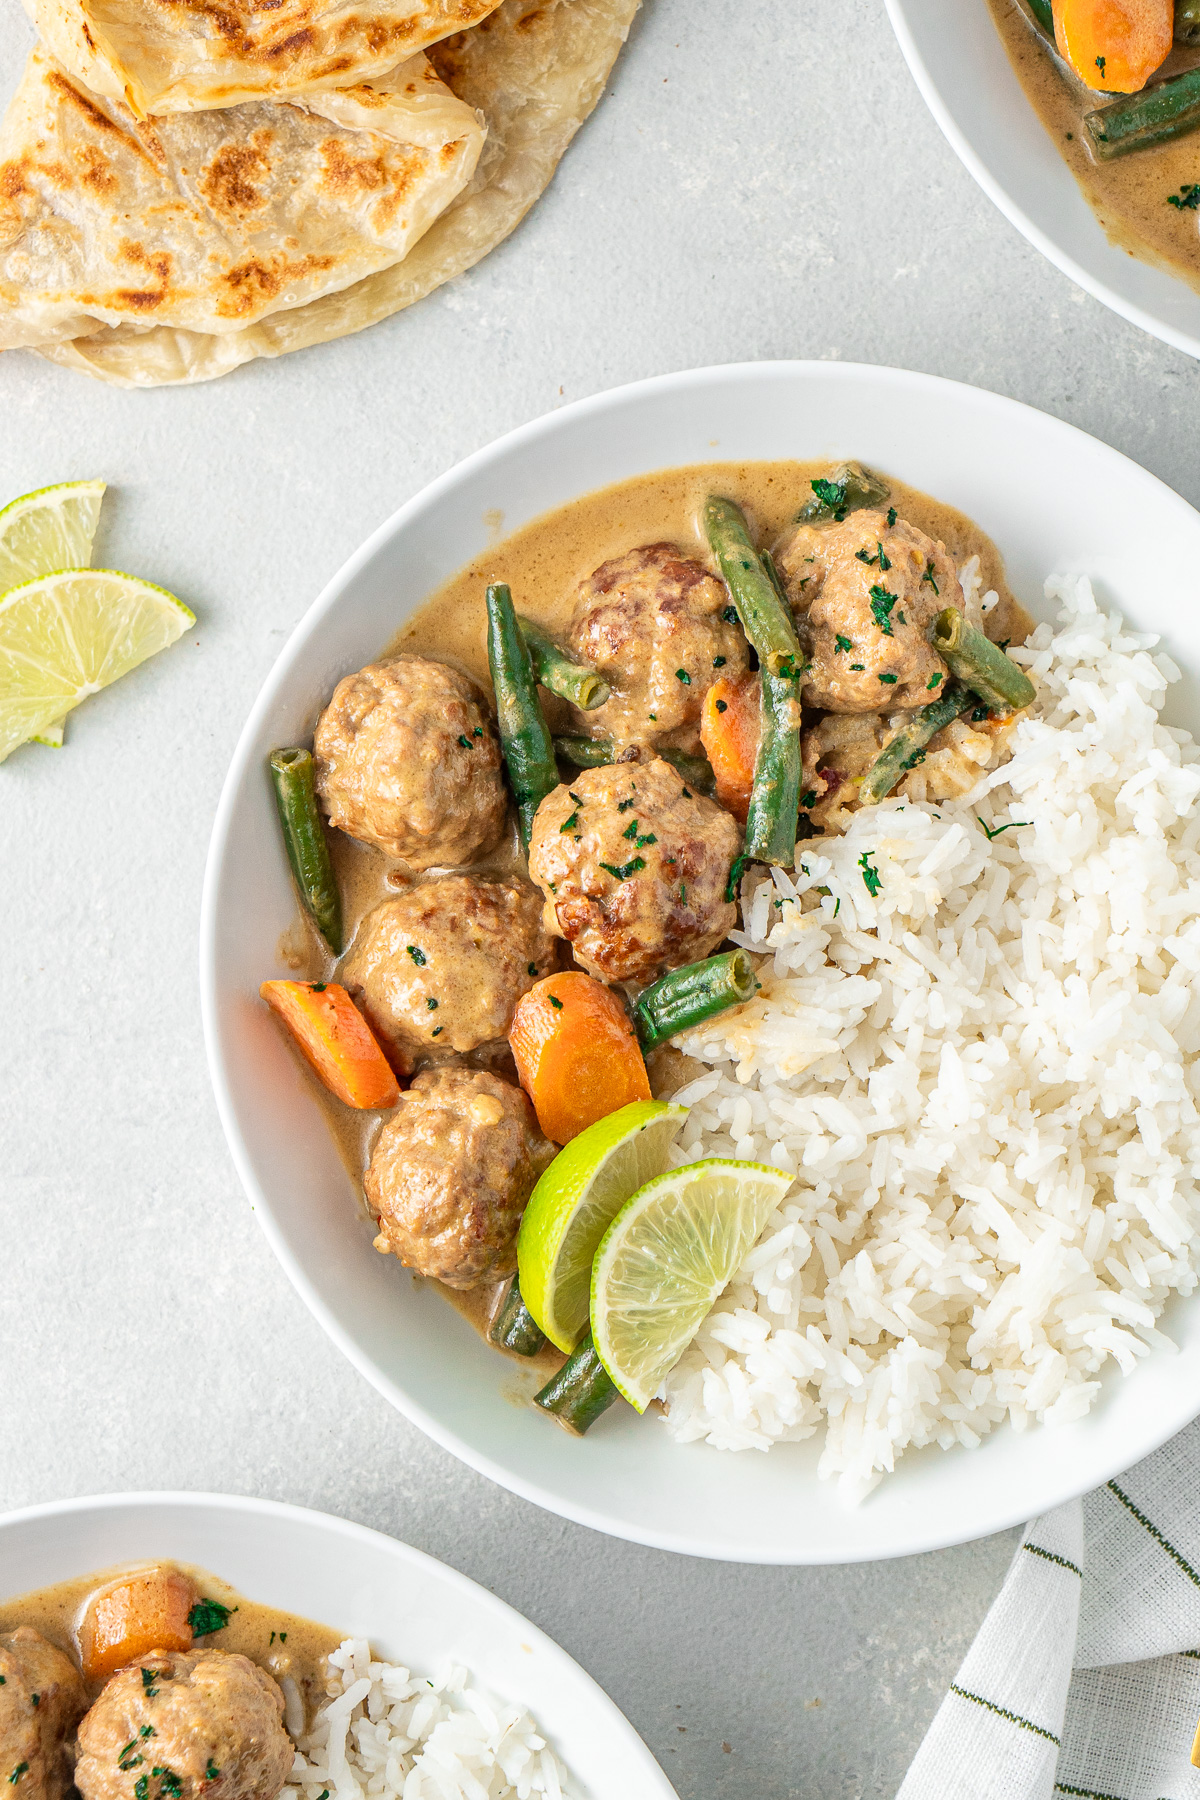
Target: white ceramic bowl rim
pixel 1143 1433
pixel 1014 212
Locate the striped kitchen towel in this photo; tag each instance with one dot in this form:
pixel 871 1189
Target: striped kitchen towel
pixel 1084 1679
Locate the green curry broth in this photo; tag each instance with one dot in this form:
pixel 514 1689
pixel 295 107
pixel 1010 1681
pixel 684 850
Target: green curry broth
pixel 543 563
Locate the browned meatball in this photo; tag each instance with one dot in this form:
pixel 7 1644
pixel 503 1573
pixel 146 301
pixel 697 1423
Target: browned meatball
pixel 634 869
pixel 450 1175
pixel 439 970
pixel 407 759
pixel 42 1699
pixel 195 1722
pixel 652 622
pixel 865 594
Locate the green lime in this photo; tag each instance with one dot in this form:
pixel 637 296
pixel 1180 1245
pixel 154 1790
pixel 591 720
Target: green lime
pixel 664 1261
pixel 49 530
pixel 574 1203
pixel 68 635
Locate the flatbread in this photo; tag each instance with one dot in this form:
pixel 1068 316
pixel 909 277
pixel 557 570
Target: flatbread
pixel 168 56
pixel 535 69
pixel 211 221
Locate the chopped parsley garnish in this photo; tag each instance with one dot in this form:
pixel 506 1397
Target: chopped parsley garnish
pixel 891 517
pixel 17 1773
pixel 465 742
pixel 1100 62
pixel 149 1677
pixel 37 1700
pixel 881 606
pixel 718 662
pixel 208 1616
pixel 170 1786
pixel 1187 199
pixel 654 716
pixel 888 680
pixel 418 956
pixel 872 880
pixel 722 706
pixel 682 675
pixel 211 1771
pixel 837 909
pixel 831 494
pixel 934 681
pixel 141 1787
pixel 556 1003
pixel 571 823
pixel 623 871
pixel 735 875
pixel 864 557
pixel 843 643
pixel 857 668
pixel 532 967
pixel 928 577
pixel 624 805
pixel 572 795
pixel 885 561
pixel 978 714
pixel 787 667
pixel 809 799
pixel 317 987
pixel 683 893
pixel 648 839
pixel 730 615
pixel 685 795
pixel 900 616
pixel 918 756
pixel 631 830
pixel 436 1032
pixel 431 1004
pixel 478 731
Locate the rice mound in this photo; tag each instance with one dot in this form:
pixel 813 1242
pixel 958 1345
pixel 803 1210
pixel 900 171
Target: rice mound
pixel 385 1733
pixel 984 1075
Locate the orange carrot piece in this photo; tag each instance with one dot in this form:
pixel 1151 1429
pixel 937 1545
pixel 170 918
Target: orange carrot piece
pixel 730 726
pixel 576 1053
pixel 1114 45
pixel 134 1616
pixel 332 1035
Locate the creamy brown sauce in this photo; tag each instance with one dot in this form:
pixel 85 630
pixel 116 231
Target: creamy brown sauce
pixel 286 1645
pixel 1129 194
pixel 543 563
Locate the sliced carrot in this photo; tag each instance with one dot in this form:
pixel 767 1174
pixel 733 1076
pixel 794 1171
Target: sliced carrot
pixel 333 1036
pixel 131 1617
pixel 1114 45
pixel 576 1054
pixel 729 730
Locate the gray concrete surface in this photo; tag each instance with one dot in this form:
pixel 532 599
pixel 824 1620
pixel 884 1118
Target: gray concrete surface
pixel 759 181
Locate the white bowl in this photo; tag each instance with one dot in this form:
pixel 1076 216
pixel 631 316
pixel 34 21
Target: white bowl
pixel 414 1610
pixel 1051 498
pixel 968 84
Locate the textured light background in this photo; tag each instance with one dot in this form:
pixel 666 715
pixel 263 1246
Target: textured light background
pixel 760 181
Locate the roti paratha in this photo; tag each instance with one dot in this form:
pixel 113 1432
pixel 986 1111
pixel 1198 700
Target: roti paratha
pixel 535 69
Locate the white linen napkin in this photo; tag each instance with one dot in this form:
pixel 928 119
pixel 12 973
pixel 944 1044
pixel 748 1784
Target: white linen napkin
pixel 1084 1679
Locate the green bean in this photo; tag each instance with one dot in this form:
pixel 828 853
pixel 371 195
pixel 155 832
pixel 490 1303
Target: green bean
pixel 1043 12
pixel 581 1390
pixel 599 753
pixel 849 488
pixel 1137 121
pixel 524 738
pixel 514 1326
pixel 307 847
pixel 555 670
pixel 907 747
pixel 979 664
pixel 1187 21
pixel 767 623
pixel 686 997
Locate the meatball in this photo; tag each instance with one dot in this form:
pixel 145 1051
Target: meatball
pixel 439 970
pixel 865 594
pixel 196 1722
pixel 451 1173
pixel 42 1699
pixel 653 623
pixel 634 868
pixel 407 759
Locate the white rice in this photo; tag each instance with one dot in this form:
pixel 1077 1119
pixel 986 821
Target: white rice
pixel 985 1078
pixel 387 1734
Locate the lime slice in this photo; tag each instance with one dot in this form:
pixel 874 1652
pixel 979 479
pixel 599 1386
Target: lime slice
pixel 48 530
pixel 665 1259
pixel 69 635
pixel 575 1202
pixel 51 735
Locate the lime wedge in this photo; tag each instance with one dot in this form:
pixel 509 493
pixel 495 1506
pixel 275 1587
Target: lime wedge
pixel 69 635
pixel 48 530
pixel 665 1259
pixel 575 1202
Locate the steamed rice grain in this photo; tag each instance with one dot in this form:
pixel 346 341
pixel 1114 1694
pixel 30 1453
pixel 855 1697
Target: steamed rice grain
pixel 985 1076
